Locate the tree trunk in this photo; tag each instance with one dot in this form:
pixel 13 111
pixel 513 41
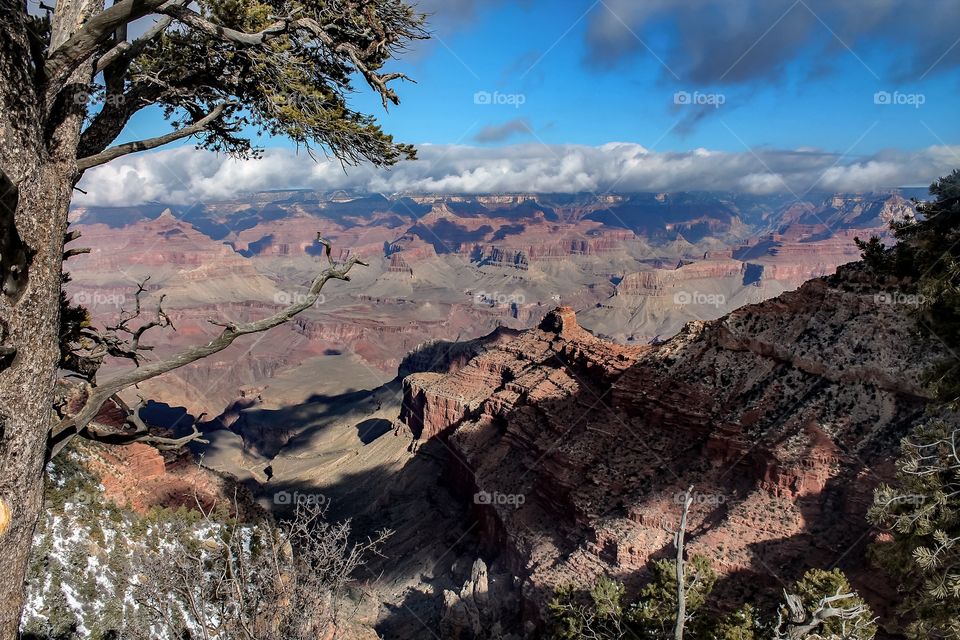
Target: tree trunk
pixel 37 169
pixel 26 386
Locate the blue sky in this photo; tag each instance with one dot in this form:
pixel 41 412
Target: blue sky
pixel 821 97
pixel 788 75
pixel 568 99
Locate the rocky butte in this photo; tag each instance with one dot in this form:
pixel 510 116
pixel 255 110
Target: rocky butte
pixel 572 451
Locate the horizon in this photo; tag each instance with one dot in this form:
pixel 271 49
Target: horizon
pixel 351 194
pixel 608 93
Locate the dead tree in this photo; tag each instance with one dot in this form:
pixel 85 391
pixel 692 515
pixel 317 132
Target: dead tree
pixel 800 623
pixel 77 418
pixel 681 578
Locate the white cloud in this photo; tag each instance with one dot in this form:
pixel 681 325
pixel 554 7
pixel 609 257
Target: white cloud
pixel 185 175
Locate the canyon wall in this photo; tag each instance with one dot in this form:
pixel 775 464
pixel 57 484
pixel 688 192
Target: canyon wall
pixel 574 452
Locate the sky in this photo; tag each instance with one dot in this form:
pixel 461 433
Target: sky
pixel 620 95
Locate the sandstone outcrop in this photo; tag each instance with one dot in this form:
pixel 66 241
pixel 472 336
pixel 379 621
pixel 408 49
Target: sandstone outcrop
pixel 572 452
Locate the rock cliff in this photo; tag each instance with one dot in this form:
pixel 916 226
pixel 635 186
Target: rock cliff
pixel 783 415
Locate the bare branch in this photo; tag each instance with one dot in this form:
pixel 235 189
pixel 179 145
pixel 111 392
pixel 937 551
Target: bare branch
pixel 800 624
pixel 69 253
pixel 123 326
pixel 72 425
pixel 141 432
pixel 94 32
pixel 88 347
pixel 151 143
pixel 127 50
pixel 681 581
pixel 114 114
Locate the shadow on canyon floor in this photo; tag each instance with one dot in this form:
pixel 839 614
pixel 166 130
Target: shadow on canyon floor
pixel 432 545
pixel 372 428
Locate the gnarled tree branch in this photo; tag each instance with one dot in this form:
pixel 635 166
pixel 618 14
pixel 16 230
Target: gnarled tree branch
pixel 193 19
pixel 291 25
pixel 84 43
pixel 151 143
pixel 141 432
pixel 74 424
pixel 128 49
pixel 801 623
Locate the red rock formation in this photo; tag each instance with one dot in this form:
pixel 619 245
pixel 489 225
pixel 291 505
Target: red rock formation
pixel 780 414
pixel 142 477
pixel 656 280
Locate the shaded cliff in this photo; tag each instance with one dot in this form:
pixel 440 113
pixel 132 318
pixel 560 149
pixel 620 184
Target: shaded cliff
pixel 784 415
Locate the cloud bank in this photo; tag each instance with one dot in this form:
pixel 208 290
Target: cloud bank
pixel 185 175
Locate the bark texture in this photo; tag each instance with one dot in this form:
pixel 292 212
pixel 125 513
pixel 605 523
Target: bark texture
pixel 39 168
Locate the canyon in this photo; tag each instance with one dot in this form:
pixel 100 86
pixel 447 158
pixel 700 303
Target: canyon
pixel 521 385
pixel 636 267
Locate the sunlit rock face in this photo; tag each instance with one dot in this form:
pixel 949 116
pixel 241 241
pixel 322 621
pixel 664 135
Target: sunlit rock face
pixel 451 268
pixel 783 415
